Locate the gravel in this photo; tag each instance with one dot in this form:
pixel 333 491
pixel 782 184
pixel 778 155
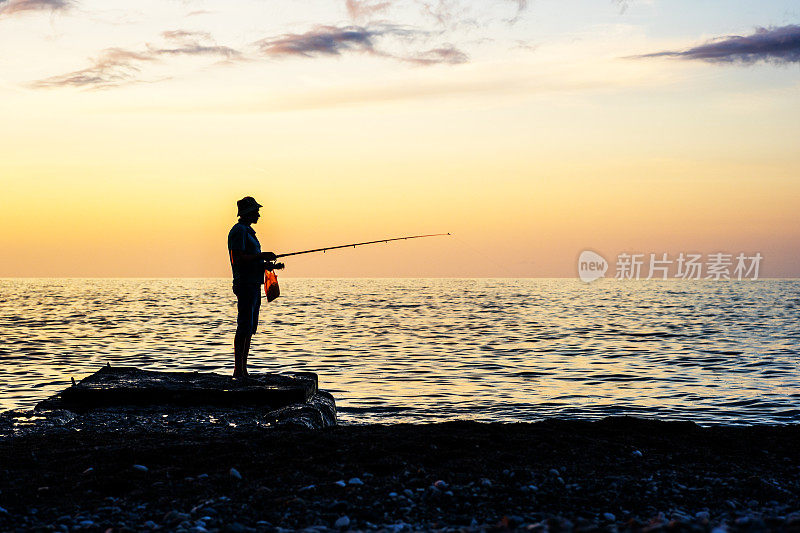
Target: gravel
pixel 457 476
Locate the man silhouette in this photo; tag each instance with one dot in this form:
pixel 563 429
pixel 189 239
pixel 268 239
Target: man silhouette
pixel 248 263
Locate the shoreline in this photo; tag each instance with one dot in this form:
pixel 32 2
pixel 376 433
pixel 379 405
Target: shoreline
pixel 616 473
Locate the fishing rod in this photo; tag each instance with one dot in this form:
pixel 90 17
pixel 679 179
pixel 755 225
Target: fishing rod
pixel 361 244
pixel 271 288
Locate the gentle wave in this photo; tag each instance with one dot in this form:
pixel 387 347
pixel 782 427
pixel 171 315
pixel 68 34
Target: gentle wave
pixel 411 350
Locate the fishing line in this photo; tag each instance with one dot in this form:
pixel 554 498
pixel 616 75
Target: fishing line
pixel 497 265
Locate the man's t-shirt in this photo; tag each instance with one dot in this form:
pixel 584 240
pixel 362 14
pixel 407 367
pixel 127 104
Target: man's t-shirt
pixel 243 238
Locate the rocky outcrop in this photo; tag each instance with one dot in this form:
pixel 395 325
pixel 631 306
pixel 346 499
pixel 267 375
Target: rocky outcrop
pixel 126 386
pixel 125 395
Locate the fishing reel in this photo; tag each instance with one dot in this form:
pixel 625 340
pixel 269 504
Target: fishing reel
pixel 273 265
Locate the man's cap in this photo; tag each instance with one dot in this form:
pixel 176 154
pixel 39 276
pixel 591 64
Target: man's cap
pixel 246 205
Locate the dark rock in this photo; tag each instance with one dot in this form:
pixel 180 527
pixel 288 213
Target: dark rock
pixel 133 400
pixel 338 506
pixel 126 386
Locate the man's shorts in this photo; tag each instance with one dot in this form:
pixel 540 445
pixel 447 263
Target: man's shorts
pixel 249 303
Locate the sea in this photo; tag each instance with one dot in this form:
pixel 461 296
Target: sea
pixel 431 350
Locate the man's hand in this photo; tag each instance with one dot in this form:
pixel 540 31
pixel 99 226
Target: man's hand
pixel 268 256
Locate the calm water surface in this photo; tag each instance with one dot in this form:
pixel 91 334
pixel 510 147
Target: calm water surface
pixel 403 350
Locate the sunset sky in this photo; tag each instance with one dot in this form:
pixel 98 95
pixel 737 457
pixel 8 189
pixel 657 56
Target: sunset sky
pixel 531 130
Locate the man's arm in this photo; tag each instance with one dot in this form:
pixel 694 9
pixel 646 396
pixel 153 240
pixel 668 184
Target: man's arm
pixel 238 257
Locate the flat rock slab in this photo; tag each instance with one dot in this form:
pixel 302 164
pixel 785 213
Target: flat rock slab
pixel 128 386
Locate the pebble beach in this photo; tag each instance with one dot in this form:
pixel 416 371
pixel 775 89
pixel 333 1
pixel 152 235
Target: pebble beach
pixel 614 474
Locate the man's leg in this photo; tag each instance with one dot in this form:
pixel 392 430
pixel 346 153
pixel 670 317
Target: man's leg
pixel 241 343
pixel 256 306
pixel 245 354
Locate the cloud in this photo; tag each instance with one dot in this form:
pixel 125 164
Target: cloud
pixel 623 5
pixel 10 7
pixel 327 40
pixel 333 41
pixel 460 13
pixel 364 9
pixel 405 44
pixel 448 54
pixel 184 35
pixel 522 5
pixel 117 66
pixel 446 13
pixel 194 43
pixel 778 45
pixel 113 67
pixel 200 12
